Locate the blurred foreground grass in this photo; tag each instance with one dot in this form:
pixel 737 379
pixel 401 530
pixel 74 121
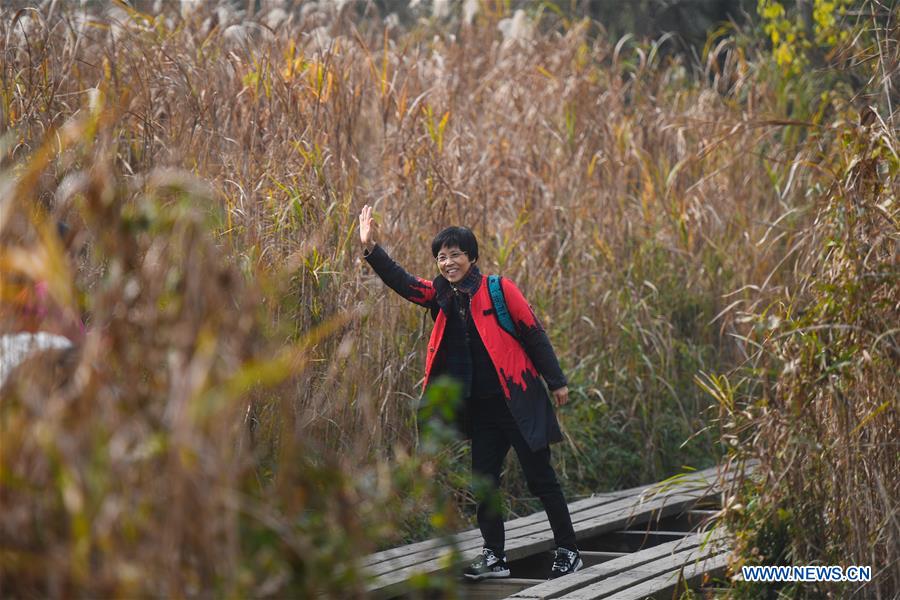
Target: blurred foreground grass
pixel 239 416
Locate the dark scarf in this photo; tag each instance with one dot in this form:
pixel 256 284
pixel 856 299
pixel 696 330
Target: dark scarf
pixel 445 290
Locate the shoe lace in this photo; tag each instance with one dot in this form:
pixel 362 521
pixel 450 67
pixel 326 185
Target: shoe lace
pixel 485 558
pixel 563 560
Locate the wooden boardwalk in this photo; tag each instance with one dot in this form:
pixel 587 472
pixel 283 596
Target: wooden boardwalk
pixel 636 543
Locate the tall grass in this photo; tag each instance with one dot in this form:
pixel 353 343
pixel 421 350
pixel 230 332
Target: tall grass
pixel 636 206
pixel 816 404
pixel 587 213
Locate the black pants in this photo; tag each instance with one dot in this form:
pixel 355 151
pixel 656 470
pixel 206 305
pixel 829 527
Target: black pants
pixel 493 432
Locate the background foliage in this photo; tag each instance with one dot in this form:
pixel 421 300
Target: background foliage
pixel 708 235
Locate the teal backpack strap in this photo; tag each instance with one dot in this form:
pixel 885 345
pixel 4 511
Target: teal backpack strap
pixel 499 303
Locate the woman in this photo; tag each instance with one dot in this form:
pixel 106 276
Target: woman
pixel 505 402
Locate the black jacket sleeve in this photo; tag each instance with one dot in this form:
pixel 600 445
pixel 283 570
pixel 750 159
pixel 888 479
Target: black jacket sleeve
pixel 540 351
pixel 533 337
pixel 414 289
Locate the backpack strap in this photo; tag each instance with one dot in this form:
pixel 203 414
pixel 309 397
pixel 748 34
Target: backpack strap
pixel 499 303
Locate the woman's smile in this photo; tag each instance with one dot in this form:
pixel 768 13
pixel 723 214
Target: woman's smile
pixel 454 274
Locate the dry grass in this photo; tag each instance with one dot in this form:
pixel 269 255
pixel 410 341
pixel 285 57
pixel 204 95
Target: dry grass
pixel 817 403
pixel 632 203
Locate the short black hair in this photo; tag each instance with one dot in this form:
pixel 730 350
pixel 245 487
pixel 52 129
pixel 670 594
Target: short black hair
pixel 461 237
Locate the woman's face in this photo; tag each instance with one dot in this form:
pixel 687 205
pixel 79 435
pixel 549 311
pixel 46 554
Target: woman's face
pixel 454 263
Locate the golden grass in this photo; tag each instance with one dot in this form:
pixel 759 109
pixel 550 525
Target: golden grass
pixel 240 416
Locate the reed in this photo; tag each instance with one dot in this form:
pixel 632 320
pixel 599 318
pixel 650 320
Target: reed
pixel 213 165
pixel 815 403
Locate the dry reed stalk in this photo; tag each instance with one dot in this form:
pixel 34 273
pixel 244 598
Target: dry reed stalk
pixel 626 197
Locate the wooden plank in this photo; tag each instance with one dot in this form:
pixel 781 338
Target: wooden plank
pixel 512 525
pixel 704 477
pixel 646 532
pixel 602 554
pixel 533 538
pixel 664 585
pixel 607 517
pixel 423 551
pixel 610 522
pixel 407 556
pixel 491 589
pixel 587 529
pixel 590 575
pixel 593 557
pixel 539 538
pixel 660 572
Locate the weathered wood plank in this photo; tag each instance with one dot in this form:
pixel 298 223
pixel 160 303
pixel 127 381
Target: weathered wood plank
pixel 704 477
pixel 659 571
pixel 491 589
pixel 647 532
pixel 607 517
pixel 539 537
pixel 593 574
pixel 536 535
pixel 664 585
pixel 407 556
pixel 511 525
pixel 593 557
pixel 612 521
pixel 421 552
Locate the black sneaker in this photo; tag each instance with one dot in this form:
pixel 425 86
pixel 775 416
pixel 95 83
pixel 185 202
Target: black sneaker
pixel 487 565
pixel 565 562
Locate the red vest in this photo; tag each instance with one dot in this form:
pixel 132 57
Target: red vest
pixel 508 356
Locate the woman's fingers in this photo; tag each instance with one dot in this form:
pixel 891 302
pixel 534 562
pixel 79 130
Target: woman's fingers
pixel 561 395
pixel 366 223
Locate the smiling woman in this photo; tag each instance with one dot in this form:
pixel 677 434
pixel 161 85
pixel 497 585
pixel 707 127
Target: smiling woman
pixel 505 403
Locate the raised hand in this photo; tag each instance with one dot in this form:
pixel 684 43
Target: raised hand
pixel 367 227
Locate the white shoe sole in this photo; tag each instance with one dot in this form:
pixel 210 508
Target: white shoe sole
pixel 491 575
